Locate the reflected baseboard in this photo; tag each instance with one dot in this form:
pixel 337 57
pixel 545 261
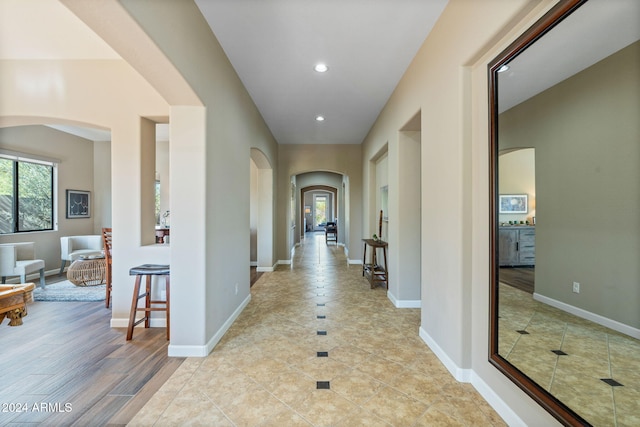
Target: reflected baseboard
pixel 584 314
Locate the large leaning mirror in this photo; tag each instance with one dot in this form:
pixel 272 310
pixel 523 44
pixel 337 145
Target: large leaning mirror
pixel 565 216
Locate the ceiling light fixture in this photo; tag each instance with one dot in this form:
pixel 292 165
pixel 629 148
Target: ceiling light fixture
pixel 321 68
pixel 320 118
pixel 503 68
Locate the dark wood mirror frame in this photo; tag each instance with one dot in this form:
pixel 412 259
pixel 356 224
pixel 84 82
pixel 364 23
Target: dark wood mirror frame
pixel 554 406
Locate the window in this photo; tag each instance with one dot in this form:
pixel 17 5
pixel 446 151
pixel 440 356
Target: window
pixel 26 194
pixel 321 210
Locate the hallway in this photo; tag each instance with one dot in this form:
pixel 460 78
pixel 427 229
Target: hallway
pixel 316 346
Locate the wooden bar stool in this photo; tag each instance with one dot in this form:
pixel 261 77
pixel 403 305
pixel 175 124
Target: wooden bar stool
pixel 147 270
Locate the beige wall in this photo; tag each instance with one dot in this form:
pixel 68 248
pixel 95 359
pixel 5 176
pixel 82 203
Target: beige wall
pixel 101 185
pixel 587 185
pixel 517 175
pixel 447 83
pixel 75 172
pixel 341 159
pixel 210 204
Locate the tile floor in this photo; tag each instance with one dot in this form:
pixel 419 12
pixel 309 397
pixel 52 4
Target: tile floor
pixel 317 347
pixel 592 369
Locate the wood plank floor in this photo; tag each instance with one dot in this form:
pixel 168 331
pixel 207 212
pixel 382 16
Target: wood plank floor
pixel 66 353
pixel 522 278
pixel 66 357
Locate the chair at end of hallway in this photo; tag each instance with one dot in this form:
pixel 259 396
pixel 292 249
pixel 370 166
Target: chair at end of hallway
pixel 331 232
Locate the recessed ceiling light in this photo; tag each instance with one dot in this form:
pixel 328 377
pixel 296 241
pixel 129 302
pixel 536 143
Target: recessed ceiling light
pixel 321 68
pixel 503 68
pixel 320 118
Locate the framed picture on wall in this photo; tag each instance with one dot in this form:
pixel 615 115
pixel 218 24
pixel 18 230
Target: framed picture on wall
pixel 513 203
pixel 78 204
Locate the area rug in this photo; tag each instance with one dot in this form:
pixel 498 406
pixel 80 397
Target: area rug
pixel 67 291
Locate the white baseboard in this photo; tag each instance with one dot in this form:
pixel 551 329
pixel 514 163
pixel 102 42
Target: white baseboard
pixel 470 376
pixel 267 269
pixel 354 261
pixel 253 264
pixel 460 374
pixel 403 303
pixel 284 262
pixel 584 314
pixel 493 399
pixel 204 350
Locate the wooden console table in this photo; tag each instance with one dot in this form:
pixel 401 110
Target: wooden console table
pixel 372 271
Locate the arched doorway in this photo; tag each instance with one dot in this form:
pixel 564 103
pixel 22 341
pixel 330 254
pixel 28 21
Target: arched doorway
pixel 261 212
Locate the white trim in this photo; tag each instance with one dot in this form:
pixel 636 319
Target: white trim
pixel 29 158
pixel 284 262
pixel 493 399
pixel 470 376
pixel 204 350
pixel 596 318
pixel 354 261
pixel 403 303
pixel 460 374
pixel 267 269
pixel 253 264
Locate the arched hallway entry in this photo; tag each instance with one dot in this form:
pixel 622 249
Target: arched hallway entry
pixel 261 212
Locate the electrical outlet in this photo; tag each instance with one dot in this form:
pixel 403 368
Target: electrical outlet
pixel 576 287
pixel 236 289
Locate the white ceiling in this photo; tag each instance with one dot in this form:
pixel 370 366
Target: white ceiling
pixel 274 45
pixel 596 30
pixel 367 44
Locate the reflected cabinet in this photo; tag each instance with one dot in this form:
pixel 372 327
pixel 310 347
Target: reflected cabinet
pixel 517 246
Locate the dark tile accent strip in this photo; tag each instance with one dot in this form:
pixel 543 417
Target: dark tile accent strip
pixel 322 332
pixel 322 316
pixel 523 332
pixel 320 304
pixel 611 382
pixel 323 385
pixel 323 354
pixel 559 352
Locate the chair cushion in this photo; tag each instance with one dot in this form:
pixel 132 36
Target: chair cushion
pixel 26 267
pixel 149 269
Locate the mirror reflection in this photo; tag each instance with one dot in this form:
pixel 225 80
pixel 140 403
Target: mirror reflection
pixel 568 235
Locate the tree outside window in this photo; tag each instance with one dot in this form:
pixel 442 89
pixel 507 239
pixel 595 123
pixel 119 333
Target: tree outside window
pixel 26 196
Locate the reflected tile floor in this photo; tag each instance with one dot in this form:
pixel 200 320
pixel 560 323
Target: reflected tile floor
pixel 317 347
pixel 591 368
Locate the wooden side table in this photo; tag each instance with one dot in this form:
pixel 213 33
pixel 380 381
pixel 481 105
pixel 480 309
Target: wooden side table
pixel 372 271
pixel 87 271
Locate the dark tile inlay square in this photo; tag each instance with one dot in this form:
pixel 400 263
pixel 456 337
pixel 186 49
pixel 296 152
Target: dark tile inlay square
pixel 523 332
pixel 323 385
pixel 323 354
pixel 322 316
pixel 322 332
pixel 559 352
pixel 611 382
pixel 320 304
